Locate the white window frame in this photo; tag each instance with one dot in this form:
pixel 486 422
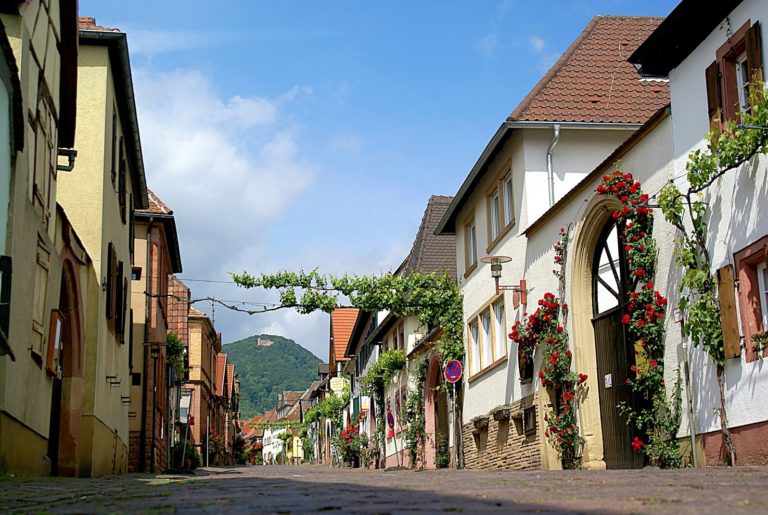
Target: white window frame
pixel 742 83
pixel 473 332
pixel 509 200
pixel 471 244
pixel 486 348
pixel 763 292
pixel 499 340
pixel 494 205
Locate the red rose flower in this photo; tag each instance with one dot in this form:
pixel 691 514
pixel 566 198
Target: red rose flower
pixel 637 444
pixel 625 319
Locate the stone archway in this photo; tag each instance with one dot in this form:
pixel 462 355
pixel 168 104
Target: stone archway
pixel 68 390
pixel 588 233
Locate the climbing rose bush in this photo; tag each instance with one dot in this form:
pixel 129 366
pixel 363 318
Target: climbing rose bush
pixel 653 415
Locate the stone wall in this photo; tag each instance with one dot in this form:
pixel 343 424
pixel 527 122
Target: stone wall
pixel 503 445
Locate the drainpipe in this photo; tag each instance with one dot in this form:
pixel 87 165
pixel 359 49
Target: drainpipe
pixel 550 172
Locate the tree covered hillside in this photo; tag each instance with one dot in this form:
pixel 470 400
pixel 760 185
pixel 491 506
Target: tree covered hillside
pixel 267 365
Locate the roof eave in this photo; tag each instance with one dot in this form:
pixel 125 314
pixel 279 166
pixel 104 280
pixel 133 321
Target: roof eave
pixel 117 42
pixel 171 234
pixel 679 34
pixel 448 223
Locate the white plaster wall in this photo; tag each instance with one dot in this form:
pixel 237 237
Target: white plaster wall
pixel 577 153
pixel 651 163
pixel 739 217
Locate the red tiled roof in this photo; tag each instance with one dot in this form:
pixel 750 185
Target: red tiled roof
pixel 342 322
pixel 156 206
pixel 231 376
pixel 221 363
pixel 89 23
pixel 178 308
pixel 594 82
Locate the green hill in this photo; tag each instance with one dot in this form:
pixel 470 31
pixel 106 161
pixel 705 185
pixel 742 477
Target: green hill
pixel 266 369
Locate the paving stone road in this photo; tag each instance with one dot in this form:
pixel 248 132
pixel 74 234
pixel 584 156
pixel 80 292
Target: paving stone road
pixel 317 488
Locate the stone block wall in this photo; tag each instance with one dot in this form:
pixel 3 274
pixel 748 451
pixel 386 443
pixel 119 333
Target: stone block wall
pixel 503 445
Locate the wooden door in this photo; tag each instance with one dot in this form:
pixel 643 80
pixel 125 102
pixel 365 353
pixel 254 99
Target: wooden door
pixel 614 355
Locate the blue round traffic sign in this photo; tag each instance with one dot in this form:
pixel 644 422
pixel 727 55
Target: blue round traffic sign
pixel 453 371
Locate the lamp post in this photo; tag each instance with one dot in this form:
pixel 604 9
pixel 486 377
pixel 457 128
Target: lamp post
pixel 496 262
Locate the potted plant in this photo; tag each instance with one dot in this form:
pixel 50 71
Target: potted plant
pixel 760 343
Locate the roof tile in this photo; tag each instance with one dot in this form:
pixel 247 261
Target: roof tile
pixel 342 322
pixel 431 252
pixel 593 82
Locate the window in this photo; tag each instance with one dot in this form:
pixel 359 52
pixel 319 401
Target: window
pixel 738 64
pixel 509 201
pixel 486 334
pixel 474 345
pixel 751 269
pixel 500 205
pixel 500 348
pixel 495 210
pixel 470 246
pixel 487 353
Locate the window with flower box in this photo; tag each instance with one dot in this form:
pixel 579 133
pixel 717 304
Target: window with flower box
pixel 487 337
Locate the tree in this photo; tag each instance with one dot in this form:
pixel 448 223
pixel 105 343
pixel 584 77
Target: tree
pixel 688 211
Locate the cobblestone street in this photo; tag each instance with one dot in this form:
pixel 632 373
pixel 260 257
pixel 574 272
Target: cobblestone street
pixel 316 488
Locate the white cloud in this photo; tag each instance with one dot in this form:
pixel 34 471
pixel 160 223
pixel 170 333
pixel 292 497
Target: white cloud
pixel 487 45
pixel 546 57
pixel 229 167
pixel 537 43
pixel 346 143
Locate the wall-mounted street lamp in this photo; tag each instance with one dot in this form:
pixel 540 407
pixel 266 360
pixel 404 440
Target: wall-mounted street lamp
pixel 496 262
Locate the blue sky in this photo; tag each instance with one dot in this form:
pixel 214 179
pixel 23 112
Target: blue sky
pixel 311 134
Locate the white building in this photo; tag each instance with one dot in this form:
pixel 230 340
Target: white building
pixel 709 53
pixel 586 105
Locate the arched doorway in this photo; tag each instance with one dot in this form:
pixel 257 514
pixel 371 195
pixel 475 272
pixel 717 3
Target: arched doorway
pixel 66 401
pixel 614 356
pixel 435 413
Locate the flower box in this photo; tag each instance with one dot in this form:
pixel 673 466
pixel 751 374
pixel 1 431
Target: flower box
pixel 500 413
pixel 480 422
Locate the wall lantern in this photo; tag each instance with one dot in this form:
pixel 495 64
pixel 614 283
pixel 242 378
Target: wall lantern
pixel 496 262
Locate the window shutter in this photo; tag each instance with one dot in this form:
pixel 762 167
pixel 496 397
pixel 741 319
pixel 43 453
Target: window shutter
pixel 754 57
pixel 119 304
pixel 110 282
pixel 728 315
pixel 714 96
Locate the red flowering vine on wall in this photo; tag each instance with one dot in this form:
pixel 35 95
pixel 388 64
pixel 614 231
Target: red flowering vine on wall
pixel 544 330
pixel 651 414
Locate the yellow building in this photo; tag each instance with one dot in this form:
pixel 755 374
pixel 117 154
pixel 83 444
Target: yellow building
pixel 99 198
pixel 204 348
pixel 40 267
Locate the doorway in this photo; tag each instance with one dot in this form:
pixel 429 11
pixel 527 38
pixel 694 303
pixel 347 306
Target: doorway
pixel 613 354
pixel 67 390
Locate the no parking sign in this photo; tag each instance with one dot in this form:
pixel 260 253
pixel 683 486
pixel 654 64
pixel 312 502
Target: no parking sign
pixel 453 371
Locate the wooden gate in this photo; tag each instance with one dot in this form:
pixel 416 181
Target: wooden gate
pixel 614 355
pixel 613 364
